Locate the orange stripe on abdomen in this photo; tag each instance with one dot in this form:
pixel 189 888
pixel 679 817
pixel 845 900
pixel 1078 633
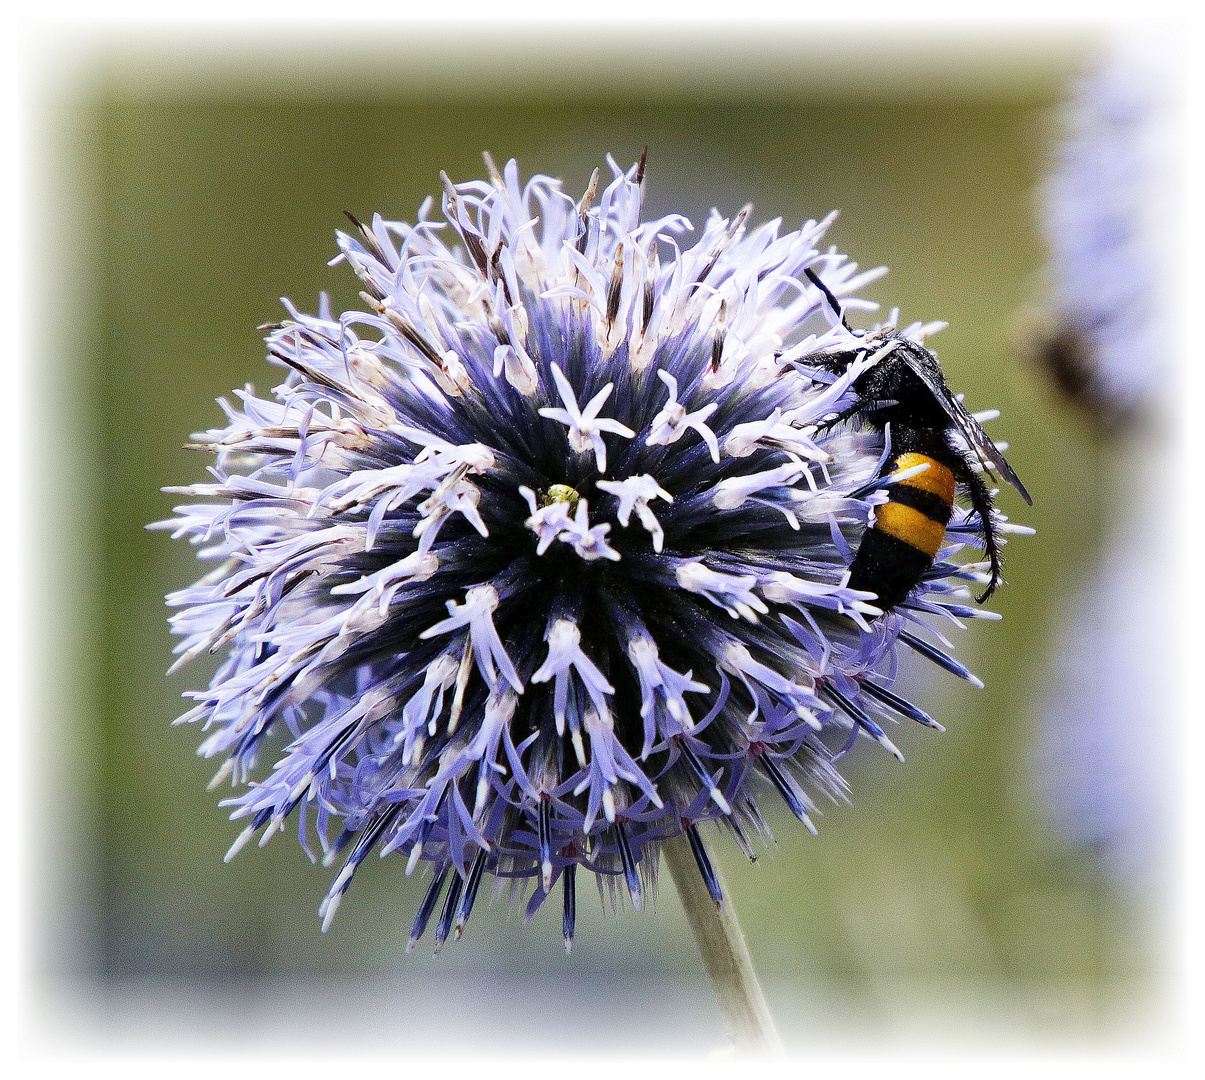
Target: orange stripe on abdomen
pixel 936 479
pixel 911 526
pixel 918 508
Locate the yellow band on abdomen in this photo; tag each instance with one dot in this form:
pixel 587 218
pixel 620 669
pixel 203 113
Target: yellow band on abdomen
pixel 910 526
pixel 936 478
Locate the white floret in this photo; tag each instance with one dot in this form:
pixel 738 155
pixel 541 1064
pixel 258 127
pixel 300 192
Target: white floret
pixel 673 421
pixel 635 493
pixel 585 426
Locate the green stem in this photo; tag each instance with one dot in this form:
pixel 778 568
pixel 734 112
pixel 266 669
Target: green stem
pixel 719 937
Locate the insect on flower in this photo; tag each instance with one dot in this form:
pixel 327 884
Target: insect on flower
pixel 543 557
pixel 938 445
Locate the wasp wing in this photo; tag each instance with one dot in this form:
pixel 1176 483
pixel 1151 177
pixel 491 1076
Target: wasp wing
pixel 968 427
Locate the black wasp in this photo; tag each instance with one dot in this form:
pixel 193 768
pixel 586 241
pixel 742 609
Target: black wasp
pixel 906 391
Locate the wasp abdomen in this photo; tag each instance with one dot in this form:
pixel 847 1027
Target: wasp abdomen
pixel 908 531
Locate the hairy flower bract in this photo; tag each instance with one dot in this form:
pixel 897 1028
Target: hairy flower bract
pixel 541 557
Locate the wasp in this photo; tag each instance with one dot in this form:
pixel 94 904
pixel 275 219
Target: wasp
pixel 904 393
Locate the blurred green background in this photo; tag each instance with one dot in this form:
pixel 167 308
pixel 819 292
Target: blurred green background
pixel 940 898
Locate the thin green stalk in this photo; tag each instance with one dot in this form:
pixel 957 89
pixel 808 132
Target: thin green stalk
pixel 719 937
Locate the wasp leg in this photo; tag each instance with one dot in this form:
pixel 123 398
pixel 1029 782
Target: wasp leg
pixel 981 503
pixel 845 414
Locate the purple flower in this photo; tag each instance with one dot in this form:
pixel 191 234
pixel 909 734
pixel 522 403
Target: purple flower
pixel 1105 211
pixel 1103 756
pixel 541 558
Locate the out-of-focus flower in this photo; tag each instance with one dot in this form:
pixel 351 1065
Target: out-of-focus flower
pixel 1105 213
pixel 541 558
pixel 1102 756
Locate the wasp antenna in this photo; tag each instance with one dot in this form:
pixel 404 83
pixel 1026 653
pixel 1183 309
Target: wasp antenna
pixel 814 278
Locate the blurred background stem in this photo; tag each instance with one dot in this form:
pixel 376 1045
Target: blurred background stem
pixel 718 934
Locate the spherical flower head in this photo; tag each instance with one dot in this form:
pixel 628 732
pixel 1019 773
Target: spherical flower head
pixel 1105 214
pixel 542 557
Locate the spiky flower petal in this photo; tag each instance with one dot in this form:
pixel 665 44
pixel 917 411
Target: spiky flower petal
pixel 542 557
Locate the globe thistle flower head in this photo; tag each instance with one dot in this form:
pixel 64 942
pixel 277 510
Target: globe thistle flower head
pixel 541 557
pixel 1108 207
pixel 1104 211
